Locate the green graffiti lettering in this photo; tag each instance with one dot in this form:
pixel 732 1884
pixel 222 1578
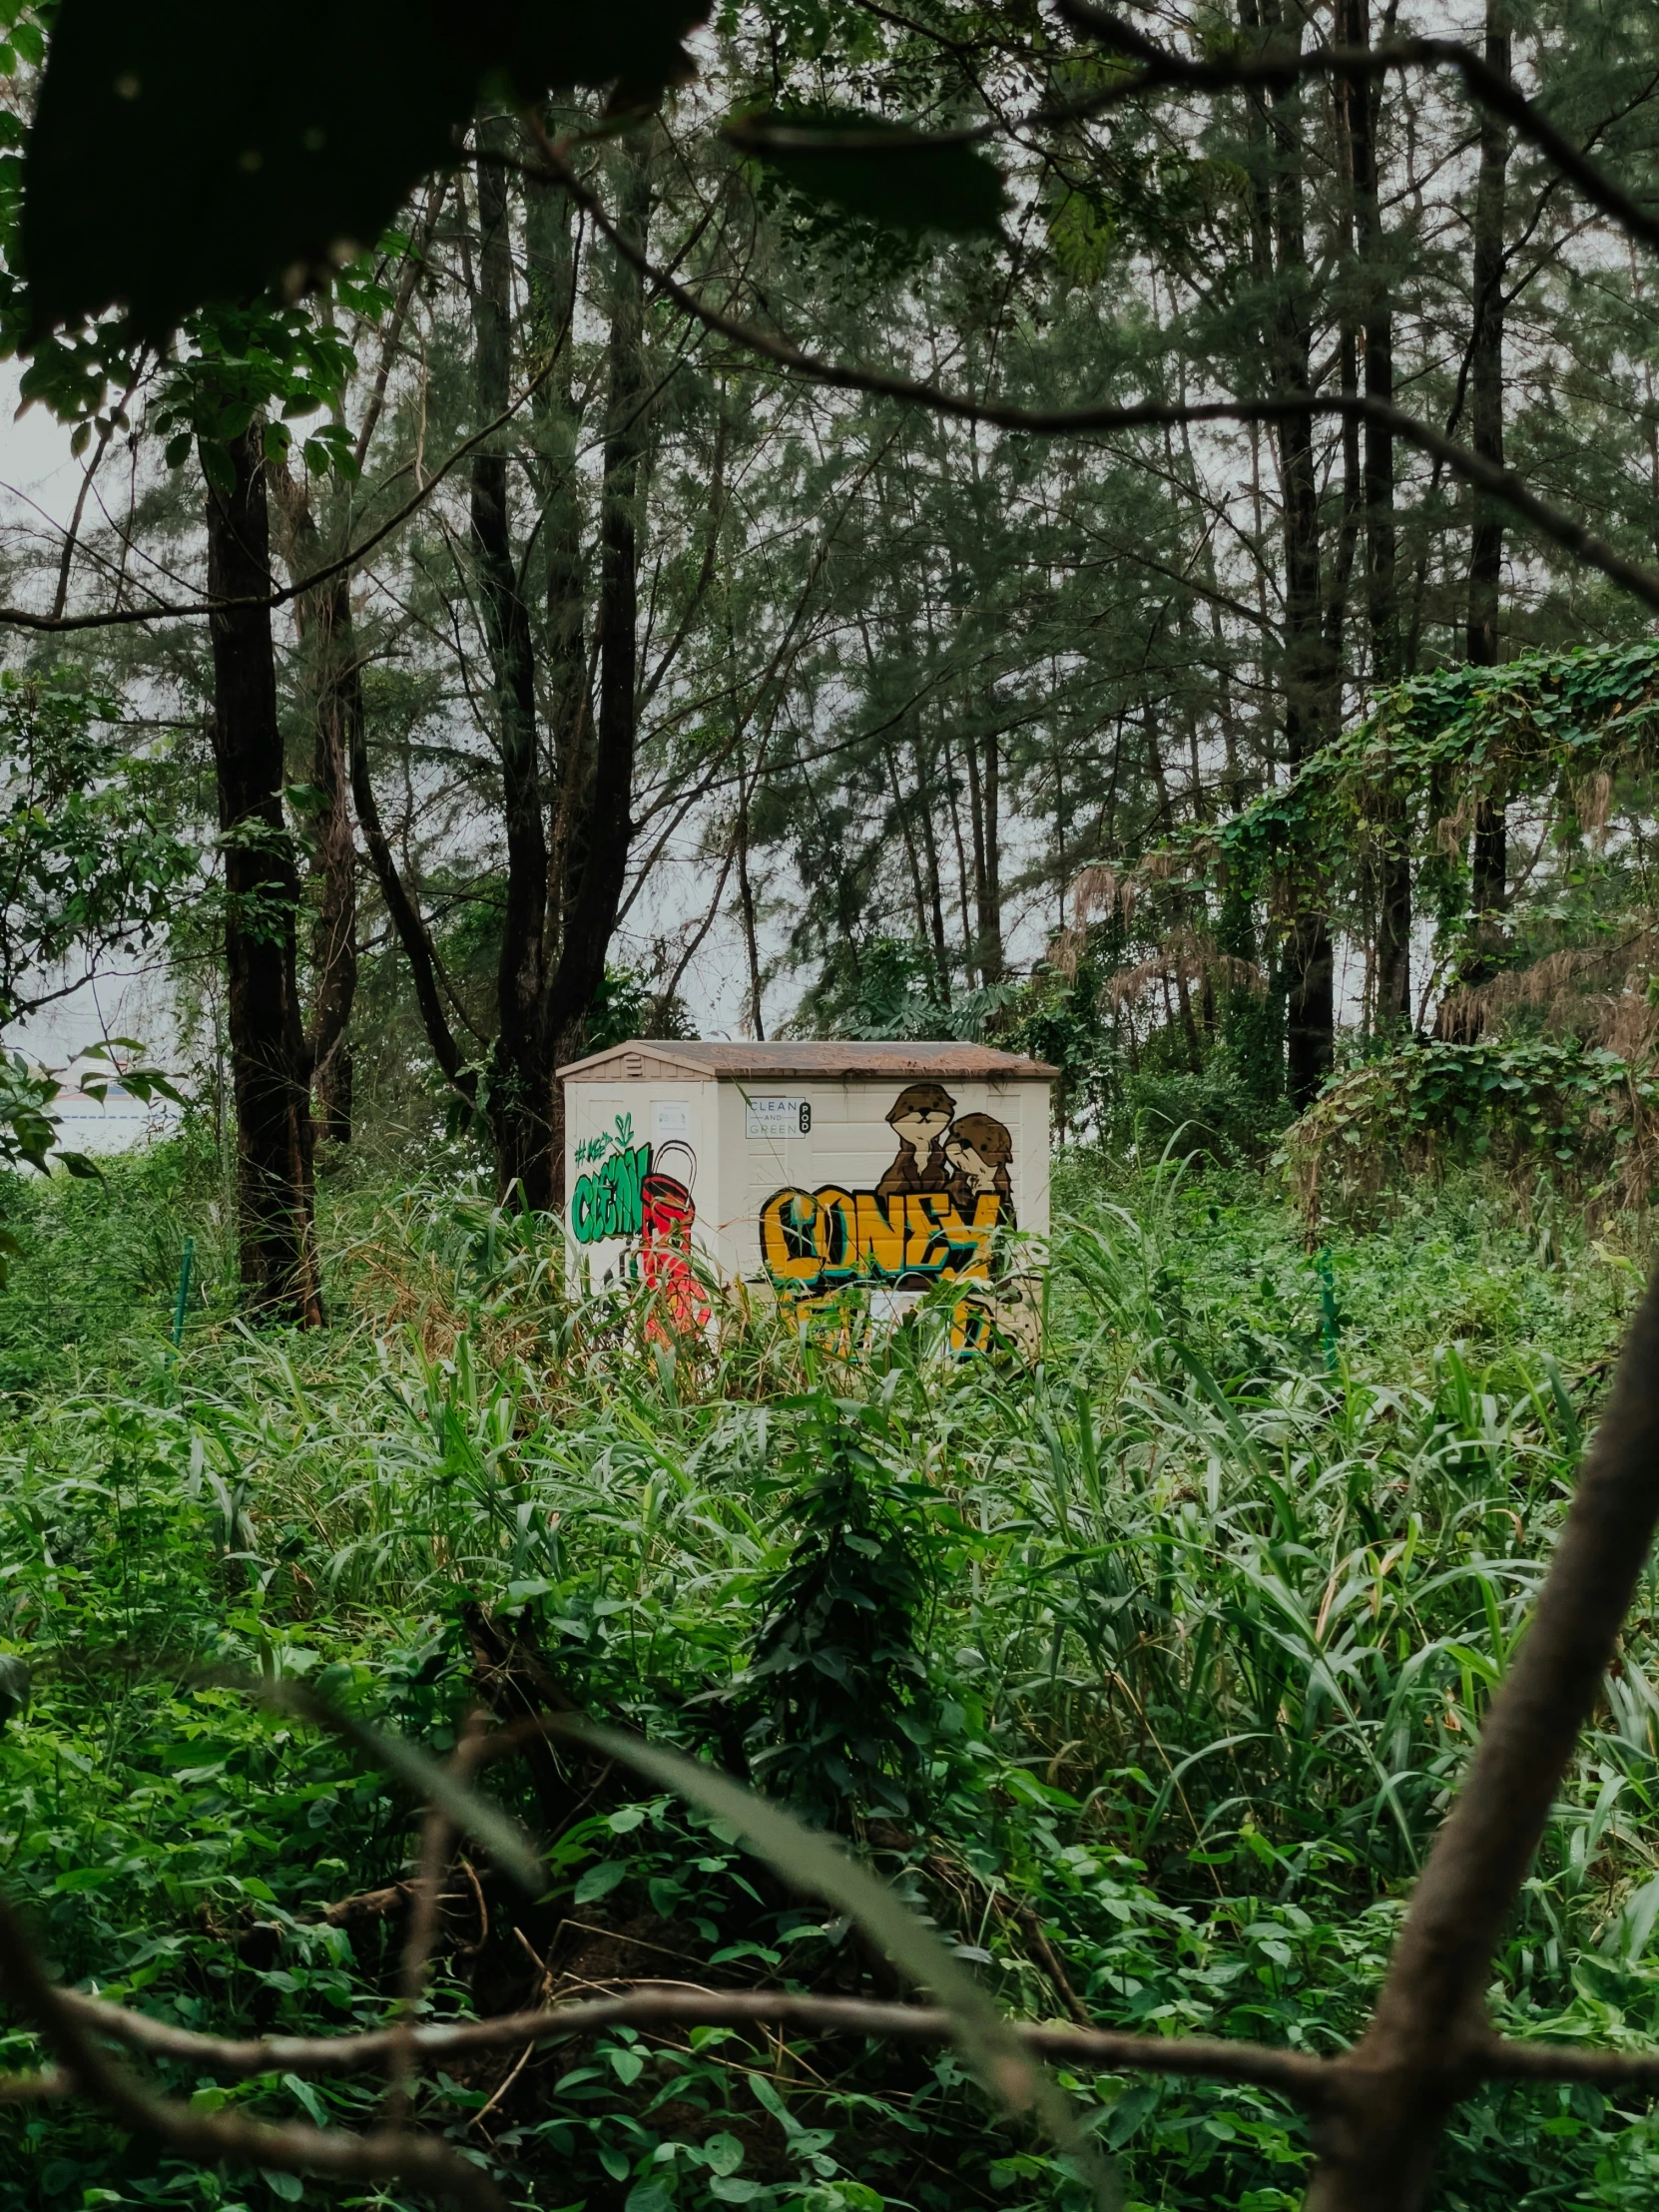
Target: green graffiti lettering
pixel 582 1210
pixel 611 1203
pixel 631 1169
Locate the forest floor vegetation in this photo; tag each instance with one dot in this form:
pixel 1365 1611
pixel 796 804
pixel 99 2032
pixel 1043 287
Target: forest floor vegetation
pixel 1145 1671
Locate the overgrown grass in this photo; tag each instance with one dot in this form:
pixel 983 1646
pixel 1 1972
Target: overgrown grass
pixel 1204 1611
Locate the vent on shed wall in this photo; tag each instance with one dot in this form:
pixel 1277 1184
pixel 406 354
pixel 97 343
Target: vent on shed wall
pixel 633 1066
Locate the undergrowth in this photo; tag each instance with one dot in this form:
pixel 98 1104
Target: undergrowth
pixel 1145 1672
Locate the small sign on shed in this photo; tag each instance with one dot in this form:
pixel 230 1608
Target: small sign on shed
pixel 816 1168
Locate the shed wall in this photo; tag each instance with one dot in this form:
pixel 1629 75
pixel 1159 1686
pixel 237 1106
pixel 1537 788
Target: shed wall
pixel 852 1147
pixel 721 1151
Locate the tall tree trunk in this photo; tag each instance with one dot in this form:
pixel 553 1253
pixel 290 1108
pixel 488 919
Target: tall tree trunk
pixel 930 847
pixel 994 962
pixel 1178 904
pixel 1491 859
pixel 412 930
pixel 269 1068
pixel 340 707
pixel 1310 678
pixel 952 786
pixel 597 893
pixel 1363 95
pixel 745 906
pixel 521 1072
pixel 906 836
pixel 552 275
pixel 334 680
pixel 983 801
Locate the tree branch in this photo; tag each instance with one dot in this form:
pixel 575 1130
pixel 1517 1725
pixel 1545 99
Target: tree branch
pixel 420 2160
pixel 1483 83
pixel 1499 485
pixel 1294 2073
pixel 23 618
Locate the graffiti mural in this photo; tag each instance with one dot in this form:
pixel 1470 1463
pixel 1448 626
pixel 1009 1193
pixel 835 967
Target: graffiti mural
pixel 641 1194
pixel 932 1217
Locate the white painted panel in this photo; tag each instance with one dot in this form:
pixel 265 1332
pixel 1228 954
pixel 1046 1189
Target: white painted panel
pixel 640 1156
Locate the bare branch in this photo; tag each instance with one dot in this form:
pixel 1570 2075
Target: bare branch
pixel 1483 83
pixel 1507 2060
pixel 1499 485
pixel 23 618
pixel 674 2005
pixel 27 2088
pixel 420 2160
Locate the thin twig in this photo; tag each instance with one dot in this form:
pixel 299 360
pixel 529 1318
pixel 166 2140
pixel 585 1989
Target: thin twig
pixel 437 1835
pixel 23 618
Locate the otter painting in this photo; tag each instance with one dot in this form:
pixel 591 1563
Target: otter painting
pixel 977 1151
pixel 919 1118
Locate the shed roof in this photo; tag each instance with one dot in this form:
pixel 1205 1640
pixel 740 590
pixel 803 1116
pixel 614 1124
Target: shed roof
pixel 834 1061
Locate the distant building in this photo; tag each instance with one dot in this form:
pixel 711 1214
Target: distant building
pixel 884 1169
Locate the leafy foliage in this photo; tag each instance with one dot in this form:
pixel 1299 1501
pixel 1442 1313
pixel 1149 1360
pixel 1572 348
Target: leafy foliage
pixel 1206 1627
pixel 911 180
pixel 1580 1114
pixel 837 1676
pixel 91 850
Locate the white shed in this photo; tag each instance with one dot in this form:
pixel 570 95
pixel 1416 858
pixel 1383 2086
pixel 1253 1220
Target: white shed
pixel 815 1167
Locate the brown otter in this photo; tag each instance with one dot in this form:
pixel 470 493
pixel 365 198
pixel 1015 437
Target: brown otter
pixel 919 1118
pixel 978 1150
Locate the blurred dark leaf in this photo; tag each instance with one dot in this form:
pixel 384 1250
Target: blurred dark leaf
pixel 15 1685
pixel 246 147
pixel 469 1812
pixel 907 179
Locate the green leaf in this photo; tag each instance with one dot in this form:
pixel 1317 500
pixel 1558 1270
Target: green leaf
pixel 819 1864
pixel 600 1880
pixel 472 1814
pixel 723 2155
pixel 235 170
pixel 909 180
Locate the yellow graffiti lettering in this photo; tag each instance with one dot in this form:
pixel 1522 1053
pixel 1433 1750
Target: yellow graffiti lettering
pixel 788 1236
pixel 927 1249
pixel 819 1239
pixel 972 1239
pixel 879 1236
pixel 837 1232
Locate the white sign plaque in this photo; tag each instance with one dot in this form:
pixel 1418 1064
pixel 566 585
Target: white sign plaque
pixel 670 1118
pixel 780 1117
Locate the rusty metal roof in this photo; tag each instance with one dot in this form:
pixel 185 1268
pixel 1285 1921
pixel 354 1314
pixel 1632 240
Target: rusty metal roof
pixel 834 1061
